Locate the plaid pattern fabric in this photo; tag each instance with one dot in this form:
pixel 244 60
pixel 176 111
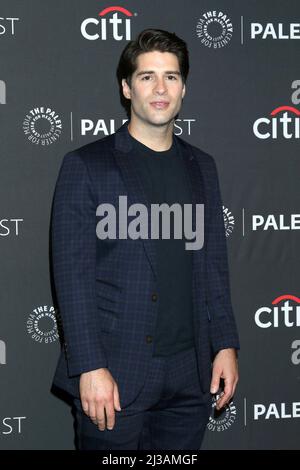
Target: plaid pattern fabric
pixel 107 290
pixel 170 412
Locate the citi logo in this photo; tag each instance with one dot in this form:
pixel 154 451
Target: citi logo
pixel 287 126
pixel 2 92
pixel 2 352
pixel 113 22
pixel 287 314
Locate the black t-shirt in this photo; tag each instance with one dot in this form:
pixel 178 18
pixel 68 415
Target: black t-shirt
pixel 164 178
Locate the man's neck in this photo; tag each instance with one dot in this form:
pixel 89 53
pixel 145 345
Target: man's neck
pixel 157 138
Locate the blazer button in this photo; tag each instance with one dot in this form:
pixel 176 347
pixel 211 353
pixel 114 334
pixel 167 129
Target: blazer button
pixel 154 297
pixel 149 339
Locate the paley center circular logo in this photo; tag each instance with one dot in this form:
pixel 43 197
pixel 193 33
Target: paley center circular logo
pixel 42 324
pixel 228 221
pixel 221 420
pixel 42 126
pixel 215 29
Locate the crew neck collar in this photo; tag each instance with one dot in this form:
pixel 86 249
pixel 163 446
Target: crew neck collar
pixel 142 147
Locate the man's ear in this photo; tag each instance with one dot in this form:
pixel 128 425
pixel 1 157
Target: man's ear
pixel 126 89
pixel 183 91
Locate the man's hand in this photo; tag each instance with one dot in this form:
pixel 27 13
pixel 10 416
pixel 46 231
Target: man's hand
pixel 225 366
pixel 99 396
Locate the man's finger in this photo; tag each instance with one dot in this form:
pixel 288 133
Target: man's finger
pixel 100 418
pixel 110 415
pixel 92 413
pixel 226 396
pixel 85 407
pixel 215 382
pixel 117 403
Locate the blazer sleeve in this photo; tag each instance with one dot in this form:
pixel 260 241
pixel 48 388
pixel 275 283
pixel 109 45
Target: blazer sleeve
pixel 73 238
pixel 223 327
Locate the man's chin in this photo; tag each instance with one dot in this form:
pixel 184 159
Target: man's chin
pixel 159 122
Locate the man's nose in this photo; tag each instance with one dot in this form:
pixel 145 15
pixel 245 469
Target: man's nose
pixel 160 86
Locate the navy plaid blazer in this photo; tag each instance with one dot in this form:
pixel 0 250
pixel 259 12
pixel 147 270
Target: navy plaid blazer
pixel 105 288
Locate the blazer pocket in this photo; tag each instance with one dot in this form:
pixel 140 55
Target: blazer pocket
pixel 107 320
pixel 110 304
pixel 107 289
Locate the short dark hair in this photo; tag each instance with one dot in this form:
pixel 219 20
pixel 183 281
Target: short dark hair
pixel 152 40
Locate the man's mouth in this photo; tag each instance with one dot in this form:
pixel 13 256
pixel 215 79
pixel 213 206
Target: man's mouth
pixel 160 104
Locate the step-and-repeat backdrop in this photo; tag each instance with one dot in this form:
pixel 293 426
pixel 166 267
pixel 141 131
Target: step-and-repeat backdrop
pixel 58 91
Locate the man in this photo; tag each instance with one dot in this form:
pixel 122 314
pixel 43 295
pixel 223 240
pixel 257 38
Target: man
pixel 149 332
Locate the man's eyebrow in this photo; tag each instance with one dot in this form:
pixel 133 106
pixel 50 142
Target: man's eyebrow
pixel 173 72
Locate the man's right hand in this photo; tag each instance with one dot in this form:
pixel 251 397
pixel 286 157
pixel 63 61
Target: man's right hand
pixel 99 396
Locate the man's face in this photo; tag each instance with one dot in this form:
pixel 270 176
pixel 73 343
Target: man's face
pixel 156 88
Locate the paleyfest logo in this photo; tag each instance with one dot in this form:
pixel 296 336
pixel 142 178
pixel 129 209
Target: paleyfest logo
pixel 276 411
pixel 11 424
pixel 42 324
pixel 276 31
pixel 42 126
pixel 2 352
pixel 275 222
pixel 2 92
pixel 113 22
pixel 215 29
pixel 7 26
pixel 108 126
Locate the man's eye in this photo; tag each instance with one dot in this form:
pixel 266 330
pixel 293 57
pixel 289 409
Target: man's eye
pixel 173 77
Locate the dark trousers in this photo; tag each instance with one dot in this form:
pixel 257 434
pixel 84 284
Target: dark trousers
pixel 170 413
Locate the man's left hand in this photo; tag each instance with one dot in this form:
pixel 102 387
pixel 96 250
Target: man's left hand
pixel 225 366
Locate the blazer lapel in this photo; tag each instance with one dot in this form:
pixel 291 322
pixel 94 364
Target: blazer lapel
pixel 135 190
pixel 197 189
